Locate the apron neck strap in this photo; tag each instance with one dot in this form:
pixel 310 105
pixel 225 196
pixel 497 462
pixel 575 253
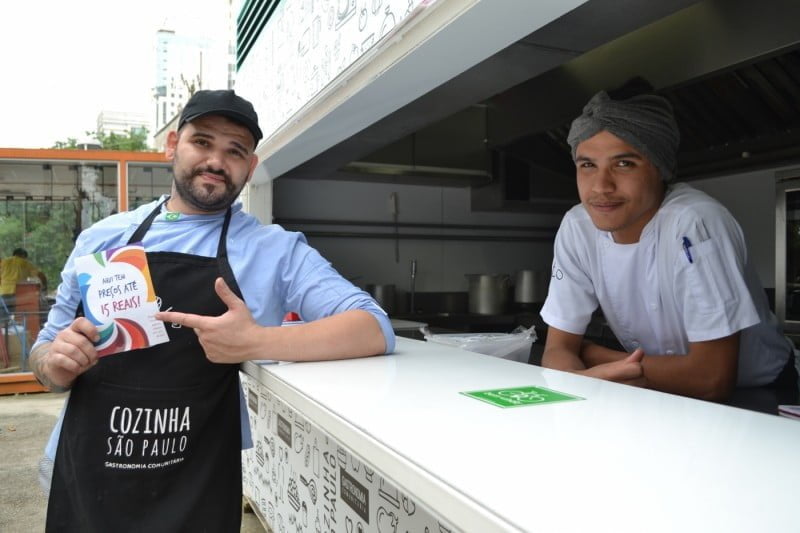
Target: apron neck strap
pixel 222 249
pixel 138 235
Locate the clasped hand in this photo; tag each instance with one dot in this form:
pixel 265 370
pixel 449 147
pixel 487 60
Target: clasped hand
pixel 627 369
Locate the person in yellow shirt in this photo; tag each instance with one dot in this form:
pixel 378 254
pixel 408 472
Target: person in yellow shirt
pixel 15 269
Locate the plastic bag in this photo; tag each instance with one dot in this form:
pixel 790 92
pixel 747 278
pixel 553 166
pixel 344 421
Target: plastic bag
pixel 514 346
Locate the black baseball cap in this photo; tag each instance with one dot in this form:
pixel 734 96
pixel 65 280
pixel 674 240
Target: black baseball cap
pixel 225 103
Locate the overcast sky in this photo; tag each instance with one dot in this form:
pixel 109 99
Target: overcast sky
pixel 64 62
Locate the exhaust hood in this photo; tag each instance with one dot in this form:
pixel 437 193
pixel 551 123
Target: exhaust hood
pixel 445 175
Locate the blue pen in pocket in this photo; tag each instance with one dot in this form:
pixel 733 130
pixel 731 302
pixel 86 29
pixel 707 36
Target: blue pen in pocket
pixel 686 245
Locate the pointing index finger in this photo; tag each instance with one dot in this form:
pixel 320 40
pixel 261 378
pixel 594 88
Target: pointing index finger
pixel 183 319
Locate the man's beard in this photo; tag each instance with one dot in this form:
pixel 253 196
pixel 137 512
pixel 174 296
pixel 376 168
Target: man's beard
pixel 205 197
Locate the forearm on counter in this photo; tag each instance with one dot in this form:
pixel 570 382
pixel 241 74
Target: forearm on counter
pixel 593 354
pixel 704 373
pixel 562 351
pixel 347 335
pixel 562 359
pixel 684 375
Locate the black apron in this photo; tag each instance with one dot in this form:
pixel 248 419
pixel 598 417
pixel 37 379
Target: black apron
pixel 151 440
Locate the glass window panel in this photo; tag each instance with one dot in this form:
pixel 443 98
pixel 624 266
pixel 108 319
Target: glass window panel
pixel 64 176
pixel 793 255
pixel 98 192
pixel 147 182
pixel 25 179
pixel 46 229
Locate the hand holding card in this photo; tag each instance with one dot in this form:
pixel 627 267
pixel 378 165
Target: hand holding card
pixel 118 297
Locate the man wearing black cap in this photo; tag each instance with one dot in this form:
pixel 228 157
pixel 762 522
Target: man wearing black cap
pixel 666 263
pixel 224 282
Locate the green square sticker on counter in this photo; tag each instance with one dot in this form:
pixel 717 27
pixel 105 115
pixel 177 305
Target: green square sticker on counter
pixel 519 396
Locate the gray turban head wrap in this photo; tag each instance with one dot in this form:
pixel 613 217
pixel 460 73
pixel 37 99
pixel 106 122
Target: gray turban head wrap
pixel 645 122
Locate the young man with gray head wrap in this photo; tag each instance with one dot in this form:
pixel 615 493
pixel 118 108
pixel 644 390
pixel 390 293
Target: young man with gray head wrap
pixel 666 263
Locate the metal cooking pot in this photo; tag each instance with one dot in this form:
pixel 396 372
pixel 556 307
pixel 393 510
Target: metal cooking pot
pixel 488 293
pixel 384 295
pixel 530 286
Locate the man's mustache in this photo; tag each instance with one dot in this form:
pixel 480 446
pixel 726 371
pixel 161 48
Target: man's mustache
pixel 207 170
pixel 604 200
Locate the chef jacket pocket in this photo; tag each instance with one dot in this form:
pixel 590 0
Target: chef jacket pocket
pixel 709 283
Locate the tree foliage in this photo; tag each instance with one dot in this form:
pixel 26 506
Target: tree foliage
pixel 70 144
pixel 133 140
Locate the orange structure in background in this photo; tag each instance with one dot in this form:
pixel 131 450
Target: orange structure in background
pixel 122 159
pixel 25 381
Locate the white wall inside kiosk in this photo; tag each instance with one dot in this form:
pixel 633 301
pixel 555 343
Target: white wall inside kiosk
pixel 442 264
pixel 750 197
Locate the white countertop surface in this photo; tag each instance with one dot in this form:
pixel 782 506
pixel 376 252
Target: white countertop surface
pixel 623 459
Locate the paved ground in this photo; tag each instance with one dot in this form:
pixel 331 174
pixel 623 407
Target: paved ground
pixel 25 424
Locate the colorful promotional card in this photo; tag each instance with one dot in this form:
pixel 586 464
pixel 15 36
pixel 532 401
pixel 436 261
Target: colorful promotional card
pixel 118 297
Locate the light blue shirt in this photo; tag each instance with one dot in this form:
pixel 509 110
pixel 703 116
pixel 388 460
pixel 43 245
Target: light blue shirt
pixel 277 272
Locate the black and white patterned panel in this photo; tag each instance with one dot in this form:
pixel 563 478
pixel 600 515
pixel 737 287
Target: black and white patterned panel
pixel 305 45
pixel 302 481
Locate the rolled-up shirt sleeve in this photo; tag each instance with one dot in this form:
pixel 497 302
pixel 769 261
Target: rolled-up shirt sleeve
pixel 316 290
pixel 571 298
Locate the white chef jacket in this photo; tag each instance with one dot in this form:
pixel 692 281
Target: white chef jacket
pixel 657 295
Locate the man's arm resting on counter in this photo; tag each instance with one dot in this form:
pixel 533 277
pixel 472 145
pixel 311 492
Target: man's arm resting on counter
pixel 346 335
pixel 562 352
pixel 234 336
pixel 707 372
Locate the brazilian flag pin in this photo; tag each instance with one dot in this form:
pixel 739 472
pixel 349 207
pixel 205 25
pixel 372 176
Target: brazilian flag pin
pixel 172 217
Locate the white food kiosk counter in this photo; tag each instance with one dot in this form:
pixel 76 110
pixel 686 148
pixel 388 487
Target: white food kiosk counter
pixel 393 444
